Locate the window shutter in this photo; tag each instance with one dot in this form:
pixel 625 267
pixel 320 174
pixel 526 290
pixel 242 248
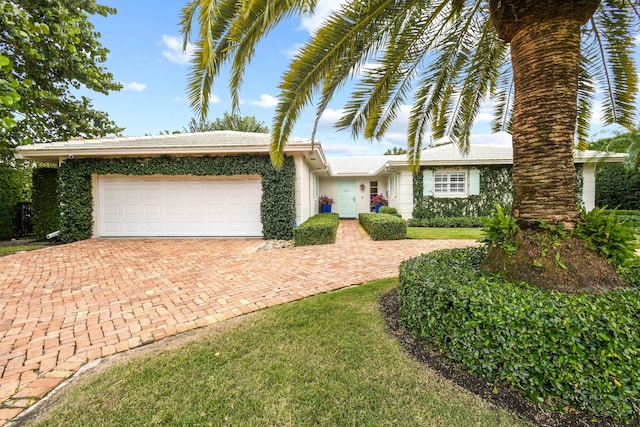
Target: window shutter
pixel 474 182
pixel 427 182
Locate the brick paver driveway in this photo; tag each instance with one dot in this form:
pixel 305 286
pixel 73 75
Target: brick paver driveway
pixel 64 306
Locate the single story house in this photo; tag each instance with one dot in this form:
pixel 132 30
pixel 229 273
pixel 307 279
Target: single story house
pixel 222 184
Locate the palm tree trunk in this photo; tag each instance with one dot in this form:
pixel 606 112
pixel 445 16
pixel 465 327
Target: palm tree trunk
pixel 544 37
pixel 545 58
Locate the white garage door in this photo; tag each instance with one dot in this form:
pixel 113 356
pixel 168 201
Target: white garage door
pixel 178 206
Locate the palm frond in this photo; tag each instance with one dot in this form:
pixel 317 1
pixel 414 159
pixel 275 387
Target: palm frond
pixel 615 71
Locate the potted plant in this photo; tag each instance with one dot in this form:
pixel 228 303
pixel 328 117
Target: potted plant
pixel 378 200
pixel 325 204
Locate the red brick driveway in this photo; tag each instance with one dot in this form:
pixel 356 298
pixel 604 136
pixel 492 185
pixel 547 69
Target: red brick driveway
pixel 63 306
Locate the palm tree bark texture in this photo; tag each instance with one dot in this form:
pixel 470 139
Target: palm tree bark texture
pixel 544 38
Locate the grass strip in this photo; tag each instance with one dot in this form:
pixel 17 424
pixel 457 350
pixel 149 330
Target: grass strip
pixel 443 233
pixel 12 249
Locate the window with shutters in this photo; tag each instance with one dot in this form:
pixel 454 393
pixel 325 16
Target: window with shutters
pixel 450 183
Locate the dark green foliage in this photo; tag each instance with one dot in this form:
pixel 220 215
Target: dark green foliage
pixel 449 222
pixel 500 229
pixel 615 240
pixel 10 195
pixel 45 209
pixel 581 351
pixel 52 50
pixel 383 226
pixel 227 122
pixel 278 187
pixel 320 229
pixel 495 187
pixel 618 187
pixel 389 211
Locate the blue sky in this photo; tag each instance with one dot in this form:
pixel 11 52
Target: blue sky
pixel 146 57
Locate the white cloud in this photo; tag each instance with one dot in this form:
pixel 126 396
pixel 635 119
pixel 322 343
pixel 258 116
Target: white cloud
pixel 266 101
pixel 134 86
pixel 597 113
pixel 322 12
pixel 330 117
pixel 636 39
pixel 173 49
pixel 293 51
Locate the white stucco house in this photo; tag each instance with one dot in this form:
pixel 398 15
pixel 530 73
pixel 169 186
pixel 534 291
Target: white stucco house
pixel 222 184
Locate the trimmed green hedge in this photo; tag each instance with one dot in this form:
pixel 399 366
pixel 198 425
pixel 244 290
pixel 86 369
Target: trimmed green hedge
pixel 44 207
pixel 389 211
pixel 617 187
pixel 320 229
pixel 451 222
pixel 581 351
pixel 383 226
pixel 277 208
pixel 10 197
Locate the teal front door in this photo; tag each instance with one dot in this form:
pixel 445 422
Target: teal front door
pixel 347 207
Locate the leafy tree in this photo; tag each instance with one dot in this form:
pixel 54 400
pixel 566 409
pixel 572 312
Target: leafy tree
pixel 48 48
pixel 541 61
pixel 227 122
pixel 395 151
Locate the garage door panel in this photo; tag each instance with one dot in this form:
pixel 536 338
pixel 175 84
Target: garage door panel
pixel 179 206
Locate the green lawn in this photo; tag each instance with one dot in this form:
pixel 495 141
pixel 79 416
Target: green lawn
pixel 12 249
pixel 443 233
pixel 326 360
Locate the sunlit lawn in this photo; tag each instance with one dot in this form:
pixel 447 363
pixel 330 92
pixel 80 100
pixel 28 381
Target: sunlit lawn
pixel 443 233
pixel 327 360
pixel 12 249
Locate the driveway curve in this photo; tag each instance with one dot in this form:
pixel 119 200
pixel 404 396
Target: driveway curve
pixel 64 306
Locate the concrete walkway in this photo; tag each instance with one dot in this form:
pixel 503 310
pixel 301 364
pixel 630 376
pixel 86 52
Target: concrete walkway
pixel 64 306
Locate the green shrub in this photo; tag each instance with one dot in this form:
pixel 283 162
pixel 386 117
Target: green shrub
pixel 499 230
pixel 604 233
pixel 383 226
pixel 389 211
pixel 320 229
pixel 580 351
pixel 10 197
pixel 447 222
pixel 44 207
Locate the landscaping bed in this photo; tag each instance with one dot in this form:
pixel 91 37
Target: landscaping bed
pixel 569 352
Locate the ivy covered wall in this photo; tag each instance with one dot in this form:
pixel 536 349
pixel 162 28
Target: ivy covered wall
pixel 277 207
pixel 495 187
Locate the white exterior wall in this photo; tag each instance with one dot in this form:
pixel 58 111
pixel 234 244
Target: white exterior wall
pixel 303 190
pixel 404 204
pixel 589 186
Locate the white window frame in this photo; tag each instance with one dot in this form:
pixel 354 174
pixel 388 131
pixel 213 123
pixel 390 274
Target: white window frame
pixel 443 184
pixel 392 186
pixel 315 187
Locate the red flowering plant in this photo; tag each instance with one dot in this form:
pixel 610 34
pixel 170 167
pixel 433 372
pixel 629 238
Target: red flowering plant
pixel 325 200
pixel 379 199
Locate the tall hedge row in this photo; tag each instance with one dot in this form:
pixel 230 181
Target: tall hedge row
pixel 45 212
pixel 10 197
pixel 618 187
pixel 277 207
